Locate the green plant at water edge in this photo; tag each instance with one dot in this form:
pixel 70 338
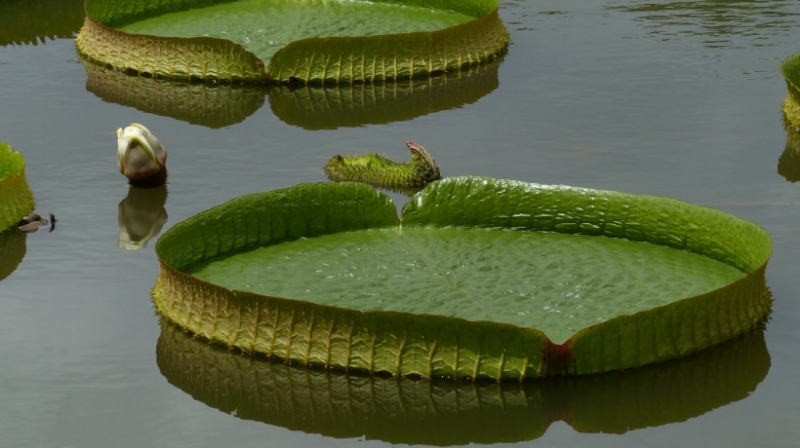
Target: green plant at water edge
pixel 790 68
pixel 306 41
pixel 379 171
pixel 471 282
pixel 16 197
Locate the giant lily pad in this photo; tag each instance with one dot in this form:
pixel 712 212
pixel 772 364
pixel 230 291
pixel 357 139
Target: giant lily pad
pixel 482 278
pixel 291 40
pixel 446 413
pixel 16 197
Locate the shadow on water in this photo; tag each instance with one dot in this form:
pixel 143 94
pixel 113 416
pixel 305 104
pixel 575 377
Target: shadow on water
pixel 34 21
pixel 308 107
pixel 397 410
pixel 719 22
pixel 141 215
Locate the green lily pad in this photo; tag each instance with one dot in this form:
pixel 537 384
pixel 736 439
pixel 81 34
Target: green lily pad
pixel 16 197
pixel 446 413
pixel 483 278
pixel 297 41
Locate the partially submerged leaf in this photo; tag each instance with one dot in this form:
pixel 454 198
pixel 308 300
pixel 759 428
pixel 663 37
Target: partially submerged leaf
pixel 380 171
pixel 636 279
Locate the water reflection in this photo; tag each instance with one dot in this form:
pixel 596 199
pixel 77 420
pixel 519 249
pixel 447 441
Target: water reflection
pixel 720 23
pixel 12 251
pixel 329 107
pixel 141 215
pixel 789 161
pixel 213 106
pixel 449 413
pixel 34 21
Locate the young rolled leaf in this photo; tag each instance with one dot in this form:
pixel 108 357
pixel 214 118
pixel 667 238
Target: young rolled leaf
pixel 16 197
pixel 380 171
pixel 347 42
pixel 484 279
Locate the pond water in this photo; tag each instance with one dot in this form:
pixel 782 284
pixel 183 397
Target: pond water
pixel 674 99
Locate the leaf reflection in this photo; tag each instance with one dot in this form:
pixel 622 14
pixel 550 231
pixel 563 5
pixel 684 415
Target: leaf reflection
pixel 318 107
pixel 12 251
pixel 34 21
pixel 141 215
pixel 398 410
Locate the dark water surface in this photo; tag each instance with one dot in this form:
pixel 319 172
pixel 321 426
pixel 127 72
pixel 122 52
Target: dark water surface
pixel 676 99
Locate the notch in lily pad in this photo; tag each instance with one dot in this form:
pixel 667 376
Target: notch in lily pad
pixel 268 41
pixel 483 278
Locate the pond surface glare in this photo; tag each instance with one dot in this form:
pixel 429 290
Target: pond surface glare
pixel 672 99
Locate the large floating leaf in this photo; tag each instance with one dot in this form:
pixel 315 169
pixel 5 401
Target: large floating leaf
pixel 445 413
pixel 16 197
pixel 303 41
pixel 484 278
